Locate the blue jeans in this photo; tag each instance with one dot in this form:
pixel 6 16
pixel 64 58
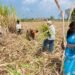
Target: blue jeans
pixel 48 44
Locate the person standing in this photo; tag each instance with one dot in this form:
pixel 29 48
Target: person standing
pixel 69 59
pixel 1 31
pixel 49 41
pixel 1 35
pixel 18 27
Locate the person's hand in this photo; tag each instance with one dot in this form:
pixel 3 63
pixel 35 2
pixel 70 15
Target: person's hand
pixel 63 44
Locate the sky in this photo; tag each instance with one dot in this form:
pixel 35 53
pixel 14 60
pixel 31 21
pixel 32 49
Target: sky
pixel 37 8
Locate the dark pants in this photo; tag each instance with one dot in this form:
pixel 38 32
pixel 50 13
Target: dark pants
pixel 48 44
pixel 19 31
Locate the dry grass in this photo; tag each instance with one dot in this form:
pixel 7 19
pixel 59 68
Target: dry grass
pixel 25 58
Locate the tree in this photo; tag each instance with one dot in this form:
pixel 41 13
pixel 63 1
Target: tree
pixel 51 18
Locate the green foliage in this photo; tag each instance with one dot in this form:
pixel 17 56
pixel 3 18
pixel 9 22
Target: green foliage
pixel 1 10
pixel 7 16
pixel 12 10
pixel 12 71
pixel 4 10
pixel 43 28
pixel 43 32
pixel 26 65
pixel 28 20
pixel 52 18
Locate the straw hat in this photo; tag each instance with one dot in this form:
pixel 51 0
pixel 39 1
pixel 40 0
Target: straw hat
pixel 49 22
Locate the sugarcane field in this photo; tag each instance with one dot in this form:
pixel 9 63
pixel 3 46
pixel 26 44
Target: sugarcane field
pixel 33 45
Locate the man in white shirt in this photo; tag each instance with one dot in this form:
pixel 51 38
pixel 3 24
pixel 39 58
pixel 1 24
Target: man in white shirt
pixel 18 27
pixel 49 41
pixel 1 35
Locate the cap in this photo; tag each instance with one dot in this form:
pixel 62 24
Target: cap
pixel 49 22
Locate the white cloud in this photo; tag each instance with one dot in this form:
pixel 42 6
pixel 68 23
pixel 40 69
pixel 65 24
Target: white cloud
pixel 66 3
pixel 46 4
pixel 28 2
pixel 44 7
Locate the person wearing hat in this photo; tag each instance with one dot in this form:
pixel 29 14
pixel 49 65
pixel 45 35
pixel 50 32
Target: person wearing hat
pixel 49 41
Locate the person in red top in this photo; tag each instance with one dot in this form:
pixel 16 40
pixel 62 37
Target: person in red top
pixel 30 34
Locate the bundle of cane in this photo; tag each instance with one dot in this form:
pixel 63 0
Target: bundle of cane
pixel 63 38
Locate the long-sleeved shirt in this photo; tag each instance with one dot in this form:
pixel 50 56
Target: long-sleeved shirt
pixel 18 26
pixel 52 32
